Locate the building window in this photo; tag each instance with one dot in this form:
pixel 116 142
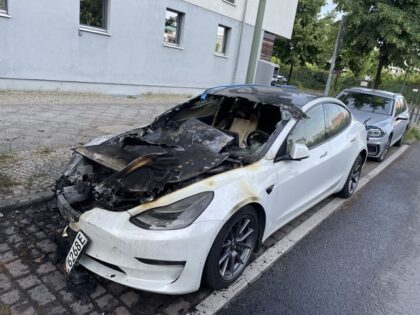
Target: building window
pixel 93 13
pixel 173 25
pixel 222 39
pixel 3 6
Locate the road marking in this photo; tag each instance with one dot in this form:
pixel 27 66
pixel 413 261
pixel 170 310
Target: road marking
pixel 220 298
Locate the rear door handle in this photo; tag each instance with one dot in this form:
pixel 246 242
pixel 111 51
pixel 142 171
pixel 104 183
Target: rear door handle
pixel 324 155
pixel 352 140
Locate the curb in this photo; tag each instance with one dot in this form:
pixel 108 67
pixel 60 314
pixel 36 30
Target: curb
pixel 220 298
pixel 27 200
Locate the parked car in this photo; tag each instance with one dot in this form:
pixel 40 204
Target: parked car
pixel 385 115
pixel 278 80
pixel 192 195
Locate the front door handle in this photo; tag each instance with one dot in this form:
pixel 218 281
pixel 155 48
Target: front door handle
pixel 324 155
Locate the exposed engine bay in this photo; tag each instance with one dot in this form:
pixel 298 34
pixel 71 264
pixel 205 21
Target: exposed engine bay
pixel 205 136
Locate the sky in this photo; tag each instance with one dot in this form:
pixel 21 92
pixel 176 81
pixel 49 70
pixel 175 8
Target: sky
pixel 328 7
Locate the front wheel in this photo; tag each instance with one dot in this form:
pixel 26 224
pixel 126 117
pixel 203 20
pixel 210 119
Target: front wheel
pixel 232 249
pixel 385 151
pixel 353 179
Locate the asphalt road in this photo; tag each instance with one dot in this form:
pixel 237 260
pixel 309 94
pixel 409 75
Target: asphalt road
pixel 364 259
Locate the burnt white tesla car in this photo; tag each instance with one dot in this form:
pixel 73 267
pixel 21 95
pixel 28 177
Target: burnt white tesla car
pixel 191 196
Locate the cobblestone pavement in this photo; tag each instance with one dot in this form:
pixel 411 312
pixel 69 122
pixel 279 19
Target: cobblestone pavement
pixel 32 279
pixel 37 130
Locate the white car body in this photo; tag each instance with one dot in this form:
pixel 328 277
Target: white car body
pixel 280 190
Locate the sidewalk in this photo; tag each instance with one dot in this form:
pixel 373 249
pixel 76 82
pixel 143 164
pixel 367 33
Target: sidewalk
pixel 38 129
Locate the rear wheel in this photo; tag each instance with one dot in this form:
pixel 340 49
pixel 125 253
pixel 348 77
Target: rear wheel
pixel 232 249
pixel 353 179
pixel 400 142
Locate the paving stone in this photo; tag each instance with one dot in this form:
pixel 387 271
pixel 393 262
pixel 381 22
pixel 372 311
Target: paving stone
pixel 99 290
pixel 55 310
pixel 66 296
pixel 180 306
pixel 122 310
pixel 22 309
pixel 46 268
pixel 7 257
pixel 278 235
pixel 10 297
pixel 17 268
pixel 4 247
pixel 107 302
pixel 47 246
pixel 130 298
pixel 55 280
pixel 80 309
pixel 116 288
pixel 5 283
pixel 41 295
pixel 14 238
pixel 28 281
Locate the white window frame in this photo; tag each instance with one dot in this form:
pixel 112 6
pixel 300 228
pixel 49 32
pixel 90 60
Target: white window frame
pixel 180 29
pixel 94 29
pixel 226 41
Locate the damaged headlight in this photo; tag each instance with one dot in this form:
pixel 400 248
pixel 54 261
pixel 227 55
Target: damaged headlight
pixel 74 162
pixel 177 215
pixel 374 132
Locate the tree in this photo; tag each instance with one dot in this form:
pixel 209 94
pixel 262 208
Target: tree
pixel 390 27
pixel 306 43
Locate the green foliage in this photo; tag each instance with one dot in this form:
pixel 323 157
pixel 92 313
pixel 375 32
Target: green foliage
pixel 3 5
pixel 412 134
pixel 92 13
pixel 391 27
pixel 306 43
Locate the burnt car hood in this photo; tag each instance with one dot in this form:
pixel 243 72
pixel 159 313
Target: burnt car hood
pixel 146 162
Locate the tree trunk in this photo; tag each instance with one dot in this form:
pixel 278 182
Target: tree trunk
pixel 289 77
pixel 381 60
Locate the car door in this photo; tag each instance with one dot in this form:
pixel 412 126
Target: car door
pixel 300 184
pixel 342 142
pixel 401 119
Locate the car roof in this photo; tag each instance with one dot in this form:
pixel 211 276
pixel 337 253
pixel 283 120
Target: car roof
pixel 264 94
pixel 381 93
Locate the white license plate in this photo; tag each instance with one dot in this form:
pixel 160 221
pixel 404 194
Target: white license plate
pixel 76 250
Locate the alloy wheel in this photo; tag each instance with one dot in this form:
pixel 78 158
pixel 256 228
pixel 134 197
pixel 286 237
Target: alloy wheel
pixel 355 175
pixel 237 247
pixel 386 149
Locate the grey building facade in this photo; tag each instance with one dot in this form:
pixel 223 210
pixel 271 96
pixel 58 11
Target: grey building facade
pixel 138 46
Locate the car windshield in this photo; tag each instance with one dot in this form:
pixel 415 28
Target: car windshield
pixel 367 102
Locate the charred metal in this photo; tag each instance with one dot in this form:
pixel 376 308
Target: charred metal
pixel 213 133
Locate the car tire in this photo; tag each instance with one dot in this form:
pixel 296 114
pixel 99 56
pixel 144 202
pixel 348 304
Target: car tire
pixel 400 142
pixel 384 153
pixel 352 179
pixel 229 254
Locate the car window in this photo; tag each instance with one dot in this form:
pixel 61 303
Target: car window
pixel 337 119
pixel 399 107
pixel 310 131
pixel 367 102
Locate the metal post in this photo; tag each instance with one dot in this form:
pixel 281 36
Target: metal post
pixel 337 48
pixel 252 65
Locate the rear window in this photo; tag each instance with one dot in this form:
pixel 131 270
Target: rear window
pixel 367 102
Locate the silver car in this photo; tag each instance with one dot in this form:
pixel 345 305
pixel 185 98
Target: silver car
pixel 385 115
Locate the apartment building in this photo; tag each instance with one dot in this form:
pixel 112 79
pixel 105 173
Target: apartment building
pixel 132 46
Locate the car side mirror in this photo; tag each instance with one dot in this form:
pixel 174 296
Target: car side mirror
pixel 401 117
pixel 299 151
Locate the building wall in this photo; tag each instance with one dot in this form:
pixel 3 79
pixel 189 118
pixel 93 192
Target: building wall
pixel 41 47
